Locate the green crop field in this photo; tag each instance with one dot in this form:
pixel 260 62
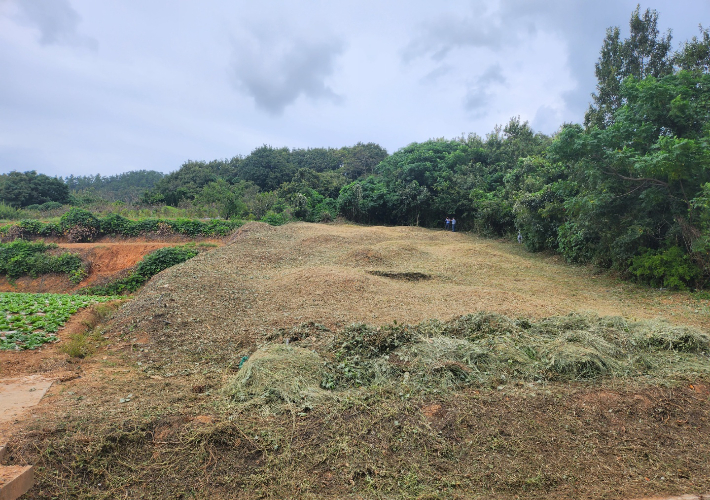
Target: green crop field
pixel 28 320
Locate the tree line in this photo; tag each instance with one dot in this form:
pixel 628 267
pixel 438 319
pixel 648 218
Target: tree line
pixel 629 189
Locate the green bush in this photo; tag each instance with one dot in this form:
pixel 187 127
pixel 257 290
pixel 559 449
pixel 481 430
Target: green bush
pixel 50 205
pixel 50 229
pixel 145 226
pixel 151 265
pixel 274 219
pixel 23 258
pixel 188 227
pixel 671 268
pixel 30 227
pixel 163 258
pixel 80 225
pixel 219 227
pixel 9 212
pixel 115 224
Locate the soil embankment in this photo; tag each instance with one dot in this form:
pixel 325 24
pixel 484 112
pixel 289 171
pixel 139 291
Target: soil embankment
pixel 107 259
pixel 148 416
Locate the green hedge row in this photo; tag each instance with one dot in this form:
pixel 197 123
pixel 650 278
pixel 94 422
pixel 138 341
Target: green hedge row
pixel 23 258
pixel 81 225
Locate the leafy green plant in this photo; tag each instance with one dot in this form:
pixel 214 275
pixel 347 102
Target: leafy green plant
pixel 670 268
pixel 80 225
pixel 163 258
pixel 28 320
pixel 8 212
pixel 23 258
pixel 151 265
pixel 274 219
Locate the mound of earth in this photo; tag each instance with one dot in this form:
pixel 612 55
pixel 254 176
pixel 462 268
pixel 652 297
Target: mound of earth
pixel 229 300
pixel 180 398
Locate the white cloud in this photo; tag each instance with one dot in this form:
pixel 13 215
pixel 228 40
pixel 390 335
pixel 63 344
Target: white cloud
pixel 275 70
pixel 56 20
pixel 179 80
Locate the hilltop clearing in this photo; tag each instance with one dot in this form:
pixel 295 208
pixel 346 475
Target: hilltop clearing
pixel 229 300
pixel 341 361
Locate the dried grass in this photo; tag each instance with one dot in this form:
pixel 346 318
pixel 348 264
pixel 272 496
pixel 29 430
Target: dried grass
pixel 276 374
pixel 490 349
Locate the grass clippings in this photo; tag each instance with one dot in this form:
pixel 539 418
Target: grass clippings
pixel 476 384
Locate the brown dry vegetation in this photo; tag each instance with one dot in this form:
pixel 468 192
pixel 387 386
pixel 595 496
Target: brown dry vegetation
pixel 149 418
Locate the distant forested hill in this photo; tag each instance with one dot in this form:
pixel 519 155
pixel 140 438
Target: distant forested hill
pixel 127 187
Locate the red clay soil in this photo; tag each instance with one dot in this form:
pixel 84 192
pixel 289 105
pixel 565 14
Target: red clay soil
pixel 108 259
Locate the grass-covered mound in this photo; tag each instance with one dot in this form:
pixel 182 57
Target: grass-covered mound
pixel 278 373
pixel 490 349
pixel 476 350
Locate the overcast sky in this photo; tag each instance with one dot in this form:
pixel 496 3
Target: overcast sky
pixel 111 86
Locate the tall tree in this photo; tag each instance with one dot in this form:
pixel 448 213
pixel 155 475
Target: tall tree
pixel 694 55
pixel 645 53
pixel 29 188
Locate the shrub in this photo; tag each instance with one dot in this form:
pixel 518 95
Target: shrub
pixel 151 265
pixel 274 219
pixel 79 225
pixel 50 205
pixel 30 226
pixel 163 258
pixel 23 258
pixel 115 224
pixel 8 212
pixel 50 229
pixel 146 226
pixel 187 227
pixel 671 268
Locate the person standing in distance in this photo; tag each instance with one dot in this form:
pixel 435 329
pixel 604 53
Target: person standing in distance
pixel 453 225
pixel 448 223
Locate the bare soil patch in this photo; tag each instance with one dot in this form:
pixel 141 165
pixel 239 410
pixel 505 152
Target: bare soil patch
pixel 148 417
pixel 109 258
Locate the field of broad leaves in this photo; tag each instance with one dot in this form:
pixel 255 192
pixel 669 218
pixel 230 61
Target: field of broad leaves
pixel 28 320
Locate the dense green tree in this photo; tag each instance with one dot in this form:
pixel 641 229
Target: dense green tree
pixel 224 197
pixel 645 53
pixel 317 159
pixel 361 159
pixel 639 177
pixel 127 187
pixel 267 167
pixel 694 55
pixel 21 189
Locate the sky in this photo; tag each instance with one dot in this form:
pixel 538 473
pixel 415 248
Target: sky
pixel 107 87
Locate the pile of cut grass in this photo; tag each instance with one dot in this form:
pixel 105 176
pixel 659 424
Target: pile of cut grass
pixel 475 350
pixel 278 374
pixel 479 350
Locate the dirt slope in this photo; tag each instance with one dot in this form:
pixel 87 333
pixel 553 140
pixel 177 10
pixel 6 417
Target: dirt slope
pixel 147 418
pixel 269 278
pixel 108 259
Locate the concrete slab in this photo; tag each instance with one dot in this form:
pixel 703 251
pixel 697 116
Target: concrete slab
pixel 19 394
pixel 15 480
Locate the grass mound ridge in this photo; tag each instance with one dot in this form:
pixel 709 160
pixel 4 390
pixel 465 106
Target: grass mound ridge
pixel 490 349
pixel 277 374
